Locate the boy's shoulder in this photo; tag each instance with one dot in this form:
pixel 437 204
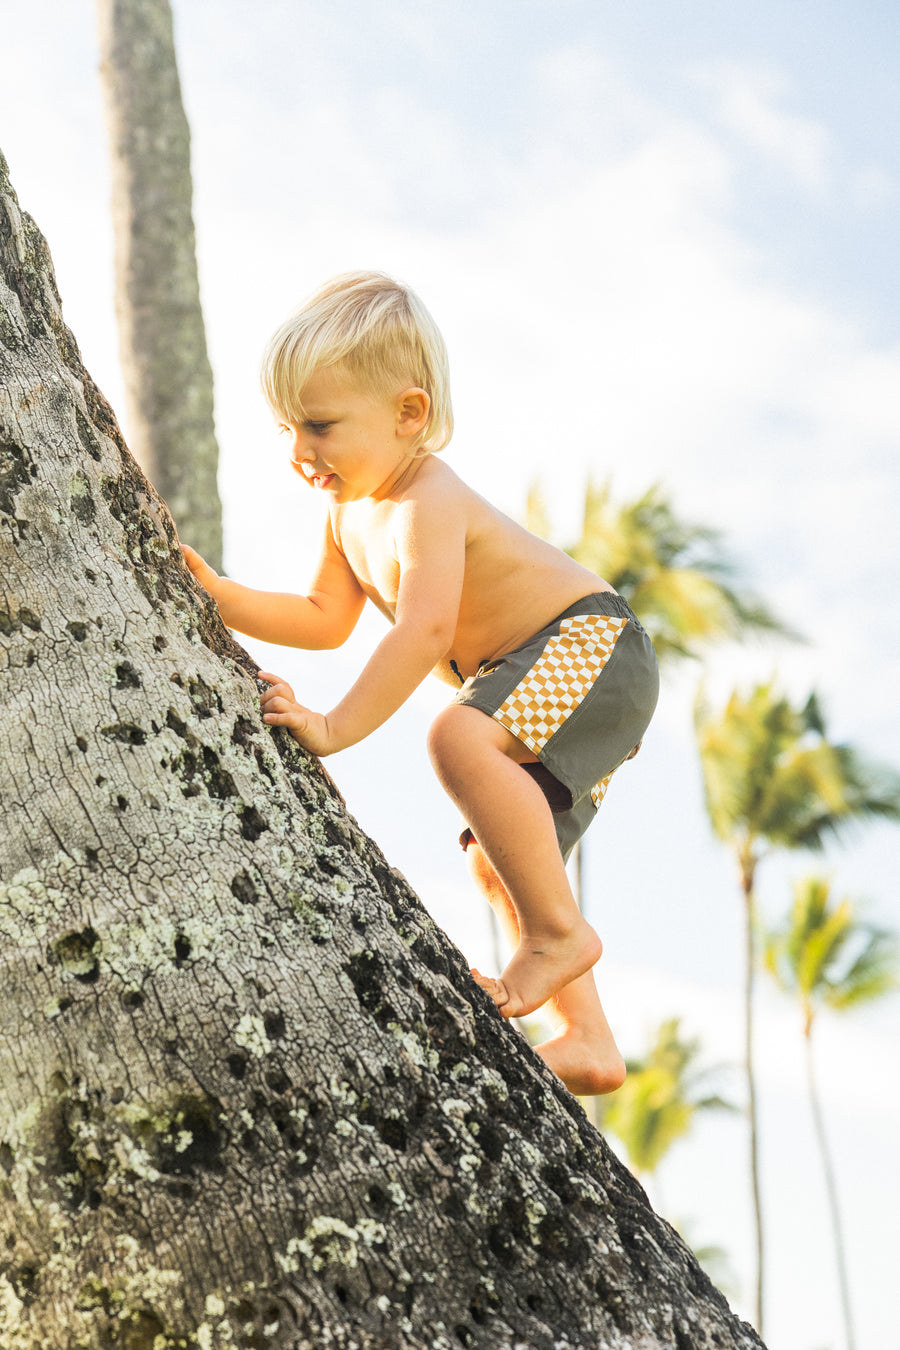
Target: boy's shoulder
pixel 435 481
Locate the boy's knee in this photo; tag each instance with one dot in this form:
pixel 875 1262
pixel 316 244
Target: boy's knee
pixel 443 734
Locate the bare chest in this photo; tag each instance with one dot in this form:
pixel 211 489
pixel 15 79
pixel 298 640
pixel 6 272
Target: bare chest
pixel 366 539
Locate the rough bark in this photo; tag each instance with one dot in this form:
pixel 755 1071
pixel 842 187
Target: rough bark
pixel 162 341
pixel 250 1095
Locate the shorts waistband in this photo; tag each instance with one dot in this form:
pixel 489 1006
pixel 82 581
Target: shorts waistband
pixel 600 602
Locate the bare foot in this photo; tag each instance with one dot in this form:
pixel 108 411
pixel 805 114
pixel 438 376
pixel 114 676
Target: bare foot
pixel 588 1063
pixel 539 969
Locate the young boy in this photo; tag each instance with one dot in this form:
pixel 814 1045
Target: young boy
pixel 558 679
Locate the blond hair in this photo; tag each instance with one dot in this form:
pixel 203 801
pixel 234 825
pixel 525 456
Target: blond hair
pixel 379 332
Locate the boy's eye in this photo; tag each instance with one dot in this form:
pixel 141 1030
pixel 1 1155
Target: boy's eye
pixel 317 428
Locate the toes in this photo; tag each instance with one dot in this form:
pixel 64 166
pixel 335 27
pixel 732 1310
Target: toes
pixel 496 988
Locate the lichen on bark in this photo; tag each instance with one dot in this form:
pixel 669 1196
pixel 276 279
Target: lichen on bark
pixel 250 1095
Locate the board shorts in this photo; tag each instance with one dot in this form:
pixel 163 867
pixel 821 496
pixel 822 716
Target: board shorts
pixel 579 694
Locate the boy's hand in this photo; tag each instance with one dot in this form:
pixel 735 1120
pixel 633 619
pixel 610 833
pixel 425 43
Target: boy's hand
pixel 280 708
pixel 200 570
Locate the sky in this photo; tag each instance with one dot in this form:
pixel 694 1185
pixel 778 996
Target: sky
pixel 661 243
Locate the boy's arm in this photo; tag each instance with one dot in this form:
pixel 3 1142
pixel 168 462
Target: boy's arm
pixel 324 618
pixel 431 546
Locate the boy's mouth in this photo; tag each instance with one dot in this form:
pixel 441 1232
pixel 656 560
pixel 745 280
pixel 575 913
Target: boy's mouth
pixel 317 480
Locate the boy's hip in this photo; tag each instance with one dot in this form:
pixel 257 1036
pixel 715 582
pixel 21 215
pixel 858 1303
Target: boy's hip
pixel 579 693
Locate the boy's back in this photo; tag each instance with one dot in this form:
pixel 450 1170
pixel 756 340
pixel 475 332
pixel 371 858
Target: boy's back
pixel 512 583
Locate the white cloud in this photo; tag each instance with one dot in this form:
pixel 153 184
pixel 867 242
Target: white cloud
pixel 750 104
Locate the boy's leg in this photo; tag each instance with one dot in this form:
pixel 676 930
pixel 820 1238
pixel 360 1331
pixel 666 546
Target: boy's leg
pixel 583 1053
pixel 477 761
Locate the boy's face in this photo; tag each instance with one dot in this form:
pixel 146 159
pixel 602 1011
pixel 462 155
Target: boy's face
pixel 352 443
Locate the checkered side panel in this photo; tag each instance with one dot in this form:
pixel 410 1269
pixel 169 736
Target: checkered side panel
pixel 560 678
pixel 599 792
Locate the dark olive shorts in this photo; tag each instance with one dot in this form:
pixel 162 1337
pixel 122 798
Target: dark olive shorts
pixel 579 694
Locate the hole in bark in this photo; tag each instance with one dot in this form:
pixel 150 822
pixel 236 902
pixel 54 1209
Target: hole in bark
pixel 139 1330
pixel 378 1199
pixel 121 803
pixel 126 732
pixel 327 866
pixel 30 620
pixel 77 953
pixel 491 1140
pixel 91 576
pixel 91 855
pixel 237 1065
pixel 7 1158
pixel 205 699
pixel 243 731
pixel 193 1140
pixel 174 723
pixel 558 1180
pixel 24 1281
pixel 81 743
pixel 279 1082
pixel 133 999
pixel 219 783
pixel 127 677
pixel 159 642
pixel 87 436
pixel 65 1004
pixel 556 1238
pixel 182 949
pixel 243 889
pixel 16 472
pixel 463 1335
pixel 94 1199
pixel 275 1025
pixel 341 1293
pixel 10 1241
pixel 502 1245
pixel 252 823
pixel 78 630
pixel 535 1302
pixel 366 973
pixel 393 1133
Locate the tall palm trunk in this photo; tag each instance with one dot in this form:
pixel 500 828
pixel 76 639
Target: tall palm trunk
pixel 162 341
pixel 747 878
pixel 840 1254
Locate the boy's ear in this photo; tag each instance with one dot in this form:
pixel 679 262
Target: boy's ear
pixel 413 407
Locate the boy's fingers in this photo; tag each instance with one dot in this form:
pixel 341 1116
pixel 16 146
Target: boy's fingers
pixel 271 679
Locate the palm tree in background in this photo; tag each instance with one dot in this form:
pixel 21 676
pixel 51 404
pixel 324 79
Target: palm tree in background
pixel 162 339
pixel 826 957
pixel 675 575
pixel 773 780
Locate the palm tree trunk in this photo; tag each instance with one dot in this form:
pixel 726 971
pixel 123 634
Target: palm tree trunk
pixel 831 1190
pixel 577 875
pixel 162 340
pixel 747 871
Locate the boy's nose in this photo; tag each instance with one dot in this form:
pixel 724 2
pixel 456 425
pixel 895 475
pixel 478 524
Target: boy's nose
pixel 302 457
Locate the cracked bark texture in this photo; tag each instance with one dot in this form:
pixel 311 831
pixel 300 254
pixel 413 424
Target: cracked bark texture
pixel 250 1095
pixel 162 340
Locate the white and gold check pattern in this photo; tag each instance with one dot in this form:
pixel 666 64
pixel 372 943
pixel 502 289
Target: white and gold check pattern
pixel 561 677
pixel 599 791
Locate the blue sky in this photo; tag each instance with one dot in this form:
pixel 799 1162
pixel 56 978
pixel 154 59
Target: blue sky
pixel 661 242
